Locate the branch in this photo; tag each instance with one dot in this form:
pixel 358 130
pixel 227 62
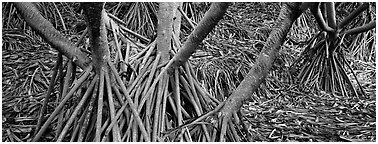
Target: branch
pixel 361 29
pixel 208 22
pixel 331 14
pixel 186 18
pixel 52 36
pixel 337 4
pixel 319 18
pixel 123 26
pixel 353 15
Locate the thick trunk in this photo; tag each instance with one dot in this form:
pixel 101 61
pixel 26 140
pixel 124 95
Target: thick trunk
pixel 163 42
pixel 209 21
pixel 98 40
pixel 164 29
pixel 52 36
pixel 289 13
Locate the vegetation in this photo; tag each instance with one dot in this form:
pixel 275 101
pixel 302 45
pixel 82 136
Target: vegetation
pixel 128 78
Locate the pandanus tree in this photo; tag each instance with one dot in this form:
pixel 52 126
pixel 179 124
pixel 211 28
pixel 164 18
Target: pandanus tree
pixel 323 65
pixel 144 101
pixel 94 81
pixel 159 99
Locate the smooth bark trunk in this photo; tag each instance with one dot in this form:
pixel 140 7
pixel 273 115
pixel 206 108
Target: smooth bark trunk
pixel 52 36
pixel 288 14
pixel 206 25
pixel 164 29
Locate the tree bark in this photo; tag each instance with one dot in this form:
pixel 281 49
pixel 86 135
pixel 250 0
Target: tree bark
pixel 52 36
pixel 98 41
pixel 208 22
pixel 164 29
pixel 288 14
pixel 164 45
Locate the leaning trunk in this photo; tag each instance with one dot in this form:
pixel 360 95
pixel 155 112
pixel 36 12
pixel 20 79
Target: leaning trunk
pixel 52 36
pixel 289 13
pixel 206 25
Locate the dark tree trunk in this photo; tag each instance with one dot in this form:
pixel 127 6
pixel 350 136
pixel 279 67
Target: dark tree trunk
pixel 98 40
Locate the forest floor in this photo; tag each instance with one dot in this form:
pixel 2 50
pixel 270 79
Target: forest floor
pixel 283 111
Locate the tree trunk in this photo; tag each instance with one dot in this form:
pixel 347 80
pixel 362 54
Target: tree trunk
pixel 98 40
pixel 164 29
pixel 208 22
pixel 164 45
pixel 288 14
pixel 52 36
